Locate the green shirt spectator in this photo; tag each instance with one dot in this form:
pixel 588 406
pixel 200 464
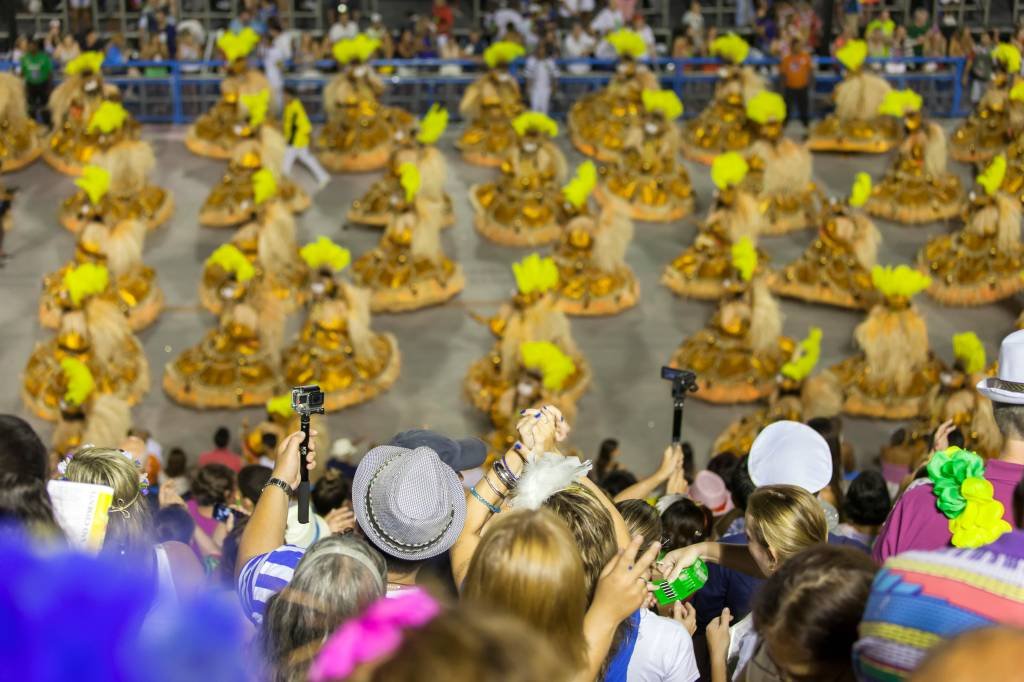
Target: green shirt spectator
pixel 37 67
pixel 917 31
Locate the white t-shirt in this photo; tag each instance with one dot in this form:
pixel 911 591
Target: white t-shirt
pixel 576 48
pixel 607 20
pixel 338 32
pixel 647 33
pixel 572 7
pixel 663 652
pixel 505 16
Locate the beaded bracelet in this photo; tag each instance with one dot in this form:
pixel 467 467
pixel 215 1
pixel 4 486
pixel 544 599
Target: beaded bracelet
pixel 494 509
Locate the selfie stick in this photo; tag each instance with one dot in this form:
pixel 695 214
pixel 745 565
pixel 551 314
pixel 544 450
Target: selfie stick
pixel 304 470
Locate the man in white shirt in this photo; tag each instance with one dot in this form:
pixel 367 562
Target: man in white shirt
pixel 274 61
pixel 578 45
pixel 607 20
pixel 342 28
pixel 505 17
pixel 574 8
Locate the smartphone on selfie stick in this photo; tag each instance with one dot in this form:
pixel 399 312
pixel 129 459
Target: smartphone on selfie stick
pixel 306 400
pixel 683 381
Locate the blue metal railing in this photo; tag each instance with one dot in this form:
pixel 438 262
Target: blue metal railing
pixel 178 92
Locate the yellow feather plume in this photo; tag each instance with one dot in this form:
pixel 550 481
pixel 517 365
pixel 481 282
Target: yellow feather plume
pixel 766 107
pixel 78 381
pixel 409 177
pixel 899 103
pixel 901 281
pixel 534 121
pixel 968 349
pixel 503 52
pixel 744 258
pixel 233 261
pixel 664 101
pixel 860 190
pixel 728 169
pixel 432 125
pixel 549 361
pixel 580 187
pixel 805 357
pixel 627 43
pixel 323 253
pixel 991 179
pixel 280 405
pixel 1008 55
pixel 264 186
pixel 108 117
pixel 852 54
pixel 87 62
pixel 85 280
pixel 238 45
pixel 1017 92
pixel 535 274
pixel 358 49
pixel 256 103
pixel 95 181
pixel 730 48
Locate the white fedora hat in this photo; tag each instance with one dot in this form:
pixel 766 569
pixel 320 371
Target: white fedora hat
pixel 1008 387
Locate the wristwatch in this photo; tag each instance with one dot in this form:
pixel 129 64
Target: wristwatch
pixel 277 482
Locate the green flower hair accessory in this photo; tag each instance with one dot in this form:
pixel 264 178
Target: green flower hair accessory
pixel 964 496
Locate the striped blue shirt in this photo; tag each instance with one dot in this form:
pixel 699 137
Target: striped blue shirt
pixel 264 576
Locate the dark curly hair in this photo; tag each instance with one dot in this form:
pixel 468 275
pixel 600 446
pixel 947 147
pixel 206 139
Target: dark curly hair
pixel 212 483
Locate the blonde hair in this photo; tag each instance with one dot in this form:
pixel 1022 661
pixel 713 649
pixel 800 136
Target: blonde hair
pixel 786 519
pixel 527 565
pixel 592 528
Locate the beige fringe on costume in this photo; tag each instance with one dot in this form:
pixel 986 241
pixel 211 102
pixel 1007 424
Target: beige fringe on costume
pixel 20 143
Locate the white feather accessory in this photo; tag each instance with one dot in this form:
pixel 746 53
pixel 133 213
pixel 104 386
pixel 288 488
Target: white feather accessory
pixel 545 474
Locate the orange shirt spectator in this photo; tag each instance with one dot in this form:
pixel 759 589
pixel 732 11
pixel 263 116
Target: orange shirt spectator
pixel 444 18
pixel 796 68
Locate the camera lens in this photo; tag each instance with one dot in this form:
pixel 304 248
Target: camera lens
pixel 316 399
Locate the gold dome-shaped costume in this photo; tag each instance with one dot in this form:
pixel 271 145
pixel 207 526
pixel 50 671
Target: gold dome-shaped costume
pixel 917 188
pixel 336 348
pixel 244 94
pixel 1013 183
pixel 893 375
pixel 522 207
pixel 87 116
pixel 408 269
pixel 722 126
pixel 87 416
pixel 132 284
pixel 836 267
pixel 123 193
pixel 704 270
pixel 982 262
pixel 600 121
pixel 417 148
pixel 95 331
pixel 998 115
pixel 20 141
pixel 230 201
pixel 737 356
pixel 856 125
pixel 780 173
pixel 648 181
pixel 360 131
pixel 260 441
pixel 489 104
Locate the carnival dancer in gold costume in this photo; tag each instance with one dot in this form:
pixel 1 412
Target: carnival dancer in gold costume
pixel 236 364
pixel 259 441
pixel 336 348
pixel 856 125
pixel 648 180
pixel 836 267
pixel 722 126
pixel 982 262
pixel 359 133
pixel 917 188
pixel 229 121
pixel 94 330
pixel 374 207
pixel 998 117
pixel 230 201
pixel 20 141
pixel 115 187
pixel 738 355
pixel 780 169
pixel 132 285
pixel 87 116
pixel 893 375
pixel 600 121
pixel 489 104
pixel 408 269
pixel 268 243
pixel 522 207
pixel 704 269
pixel 87 416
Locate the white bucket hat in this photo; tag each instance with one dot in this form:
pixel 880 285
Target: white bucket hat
pixel 790 453
pixel 1008 387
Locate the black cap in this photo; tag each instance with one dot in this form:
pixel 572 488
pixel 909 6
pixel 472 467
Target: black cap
pixel 460 455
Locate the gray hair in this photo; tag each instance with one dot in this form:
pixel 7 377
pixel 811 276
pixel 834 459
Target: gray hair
pixel 1009 419
pixel 337 578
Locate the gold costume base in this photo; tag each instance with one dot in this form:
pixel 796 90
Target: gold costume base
pixel 482 159
pixel 60 164
pixel 201 147
pixel 971 155
pixel 204 397
pixel 701 155
pixel 480 391
pixel 74 223
pixel 139 316
pixel 703 289
pixel 354 162
pixel 910 214
pixel 828 136
pixel 366 391
pixel 963 295
pixel 510 236
pixel 235 216
pixel 663 214
pixel 383 218
pixel 421 295
pixel 591 150
pixel 613 304
pixel 17 163
pixel 881 401
pixel 818 293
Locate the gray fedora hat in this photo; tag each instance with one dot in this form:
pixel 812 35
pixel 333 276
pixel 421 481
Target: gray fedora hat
pixel 408 503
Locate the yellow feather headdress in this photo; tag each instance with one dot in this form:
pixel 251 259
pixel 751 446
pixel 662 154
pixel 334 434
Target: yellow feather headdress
pixel 899 103
pixel 280 405
pixel 323 253
pixel 901 281
pixel 535 274
pixel 534 121
pixel 256 103
pixel 1008 55
pixel 87 62
pixel 108 117
pixel 852 54
pixel 579 188
pixel 78 381
pixel 503 52
pixel 968 349
pixel 991 179
pixel 95 181
pixel 432 125
pixel 664 101
pixel 627 43
pixel 357 49
pixel 85 280
pixel 728 170
pixel 232 261
pixel 766 107
pixel 264 186
pixel 238 45
pixel 1017 92
pixel 744 258
pixel 409 177
pixel 805 357
pixel 860 191
pixel 549 361
pixel 730 48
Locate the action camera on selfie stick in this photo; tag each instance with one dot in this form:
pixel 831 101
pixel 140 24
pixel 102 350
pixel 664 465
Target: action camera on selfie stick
pixel 306 400
pixel 683 381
